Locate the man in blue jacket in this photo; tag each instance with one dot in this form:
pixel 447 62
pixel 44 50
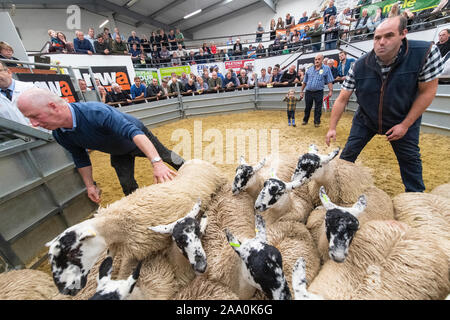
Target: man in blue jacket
pixel 93 125
pixel 343 67
pixel 138 89
pixel 394 84
pixel 82 45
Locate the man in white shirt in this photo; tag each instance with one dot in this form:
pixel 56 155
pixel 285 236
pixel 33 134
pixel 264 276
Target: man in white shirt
pixel 91 37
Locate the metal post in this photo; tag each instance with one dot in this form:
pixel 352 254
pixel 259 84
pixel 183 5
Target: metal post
pixel 94 83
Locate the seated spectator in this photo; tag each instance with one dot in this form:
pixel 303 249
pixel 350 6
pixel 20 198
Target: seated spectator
pixel 143 60
pixel 201 85
pixel 215 83
pixel 331 33
pixel 237 48
pixel 82 45
pixel 56 45
pixel 251 52
pixel 192 76
pixel 443 43
pixel 409 16
pixel 103 94
pixel 83 86
pixel 91 37
pixel 220 56
pixel 442 7
pixel 165 88
pixel 175 86
pixel 344 66
pixel 300 76
pixel 205 74
pixel 288 77
pixel 118 46
pixel 334 70
pixel 285 50
pixel 276 76
pixel 190 86
pixel 243 79
pixel 145 42
pixel 134 38
pixel 153 39
pixel 269 71
pixel 191 58
pixel 344 20
pixel 135 52
pixel 277 43
pixel 230 81
pixel 176 61
pixel 220 75
pixel 179 37
pixel 290 21
pixel 117 33
pixel 363 23
pixel 330 11
pixel 213 48
pixel 154 89
pixel 376 20
pixel 171 38
pixel 162 39
pixel 264 79
pixel 259 32
pixel 395 11
pixel 181 53
pixel 137 90
pixel 316 36
pixel 304 18
pixel 286 37
pixel 272 30
pixel 230 41
pixel 260 51
pixel 206 49
pixel 295 43
pixel 107 34
pixel 280 24
pixel 253 80
pixel 164 55
pixel 118 95
pixel 101 46
pixel 201 57
pixel 304 38
pixel 314 15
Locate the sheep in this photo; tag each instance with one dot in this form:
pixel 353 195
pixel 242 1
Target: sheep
pixel 203 289
pixel 73 253
pixel 278 203
pixel 26 284
pixel 114 289
pixel 299 282
pixel 333 227
pixel 426 212
pixel 388 260
pixel 443 190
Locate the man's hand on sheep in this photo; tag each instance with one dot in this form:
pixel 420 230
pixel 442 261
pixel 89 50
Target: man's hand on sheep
pixel 162 173
pixel 94 193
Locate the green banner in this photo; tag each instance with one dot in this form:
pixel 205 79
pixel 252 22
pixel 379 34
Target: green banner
pixel 147 75
pixel 166 72
pixel 412 5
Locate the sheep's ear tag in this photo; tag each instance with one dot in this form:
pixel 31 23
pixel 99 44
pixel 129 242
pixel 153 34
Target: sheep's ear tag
pixel 325 198
pixel 256 230
pixel 273 173
pixel 236 245
pixel 311 149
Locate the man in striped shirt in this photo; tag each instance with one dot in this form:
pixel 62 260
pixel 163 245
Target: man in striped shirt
pixel 394 84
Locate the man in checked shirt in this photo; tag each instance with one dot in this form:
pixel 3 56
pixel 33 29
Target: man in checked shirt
pixel 394 84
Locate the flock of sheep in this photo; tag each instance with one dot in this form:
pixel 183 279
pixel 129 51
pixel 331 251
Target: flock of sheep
pixel 308 227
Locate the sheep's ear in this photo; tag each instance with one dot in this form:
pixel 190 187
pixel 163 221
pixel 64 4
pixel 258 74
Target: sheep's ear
pixel 299 275
pixel 137 271
pixel 313 149
pixel 326 202
pixel 234 242
pixel 242 160
pixel 260 226
pixel 294 184
pixel 86 234
pixel 203 224
pixel 327 158
pixel 164 229
pixel 259 165
pixel 358 207
pixel 105 268
pixel 195 210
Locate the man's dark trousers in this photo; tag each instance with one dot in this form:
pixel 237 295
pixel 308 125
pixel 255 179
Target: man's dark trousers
pixel 406 150
pixel 317 98
pixel 124 164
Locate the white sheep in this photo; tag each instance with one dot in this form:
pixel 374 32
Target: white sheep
pixel 124 223
pixel 388 260
pixel 429 213
pixel 443 190
pixel 27 284
pixel 299 282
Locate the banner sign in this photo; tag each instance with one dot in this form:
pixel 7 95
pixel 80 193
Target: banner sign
pixel 301 26
pixel 147 75
pixel 197 69
pixel 108 75
pixel 167 72
pixel 412 5
pixel 248 65
pixel 59 84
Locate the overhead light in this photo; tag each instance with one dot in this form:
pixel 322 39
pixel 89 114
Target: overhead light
pixel 192 14
pixel 227 1
pixel 103 24
pixel 130 3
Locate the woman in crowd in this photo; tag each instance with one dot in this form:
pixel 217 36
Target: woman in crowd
pixel 280 24
pixel 272 29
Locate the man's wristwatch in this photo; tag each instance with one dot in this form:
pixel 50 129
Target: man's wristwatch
pixel 155 159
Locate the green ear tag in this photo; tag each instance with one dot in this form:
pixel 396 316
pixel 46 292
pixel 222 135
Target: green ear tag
pixel 237 245
pixel 325 198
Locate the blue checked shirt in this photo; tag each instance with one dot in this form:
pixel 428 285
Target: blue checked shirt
pixel 317 79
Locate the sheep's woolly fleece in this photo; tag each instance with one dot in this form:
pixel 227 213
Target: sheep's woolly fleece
pixel 203 289
pixel 128 218
pixel 27 284
pixel 388 260
pixel 426 212
pixel 379 207
pixel 443 190
pixel 344 182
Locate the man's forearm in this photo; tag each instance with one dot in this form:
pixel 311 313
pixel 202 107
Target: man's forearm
pixel 86 175
pixel 146 146
pixel 338 108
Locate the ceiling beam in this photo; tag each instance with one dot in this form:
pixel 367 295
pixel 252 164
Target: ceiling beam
pixel 167 7
pixel 244 10
pixel 271 4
